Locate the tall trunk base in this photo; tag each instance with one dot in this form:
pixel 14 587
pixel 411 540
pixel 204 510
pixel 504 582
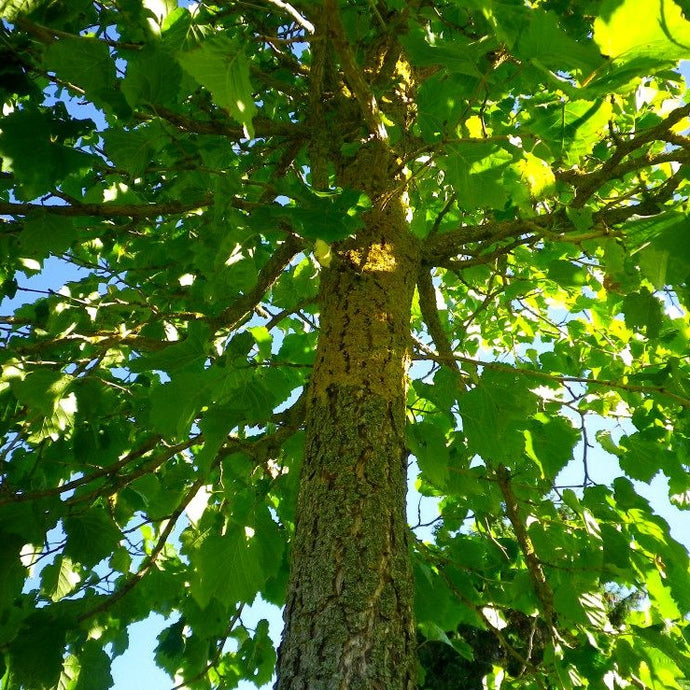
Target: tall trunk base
pixel 349 617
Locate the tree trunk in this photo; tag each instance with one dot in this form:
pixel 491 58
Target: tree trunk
pixel 349 611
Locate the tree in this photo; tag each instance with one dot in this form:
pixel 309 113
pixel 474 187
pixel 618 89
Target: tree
pixel 272 211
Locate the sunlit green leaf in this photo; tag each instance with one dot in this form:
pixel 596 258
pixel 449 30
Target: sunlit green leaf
pixel 643 310
pixel 629 30
pixel 475 171
pixel 221 66
pixel 59 579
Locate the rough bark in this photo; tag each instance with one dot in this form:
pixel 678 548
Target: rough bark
pixel 349 618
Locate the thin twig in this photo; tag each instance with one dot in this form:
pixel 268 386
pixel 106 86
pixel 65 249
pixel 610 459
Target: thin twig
pixel 534 567
pixel 287 7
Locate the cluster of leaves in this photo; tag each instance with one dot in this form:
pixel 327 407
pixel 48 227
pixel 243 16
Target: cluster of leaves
pixel 150 411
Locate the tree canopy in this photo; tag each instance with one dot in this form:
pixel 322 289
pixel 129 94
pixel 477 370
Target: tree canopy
pixel 321 250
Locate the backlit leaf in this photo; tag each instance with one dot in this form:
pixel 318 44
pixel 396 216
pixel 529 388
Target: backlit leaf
pixel 228 568
pixel 91 536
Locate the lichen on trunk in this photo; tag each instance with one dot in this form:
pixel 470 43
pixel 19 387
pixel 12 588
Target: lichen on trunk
pixel 349 618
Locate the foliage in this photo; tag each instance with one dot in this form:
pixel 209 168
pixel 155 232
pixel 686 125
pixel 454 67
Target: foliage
pixel 183 162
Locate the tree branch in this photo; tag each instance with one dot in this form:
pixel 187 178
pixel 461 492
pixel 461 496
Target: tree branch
pixel 650 206
pixel 108 471
pixel 353 73
pixel 480 612
pixel 111 210
pixel 232 315
pixel 106 210
pixel 427 304
pixel 258 450
pixel 587 184
pixel 534 567
pixel 557 378
pixel 289 9
pixel 151 559
pixel 580 179
pixel 438 249
pixel 263 127
pixel 48 34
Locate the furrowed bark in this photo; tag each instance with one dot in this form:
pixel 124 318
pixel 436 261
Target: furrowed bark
pixel 349 618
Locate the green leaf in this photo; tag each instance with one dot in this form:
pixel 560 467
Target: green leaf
pixel 153 77
pixel 215 426
pixel 458 56
pixel 176 27
pixel 684 6
pixel 220 65
pixel 188 355
pixel 298 348
pixel 537 174
pixel 94 673
pixel 175 404
pixel 428 444
pixel 443 392
pixel 643 310
pixel 439 103
pixel 433 632
pixel 59 579
pixel 132 149
pixel 495 413
pixel 317 216
pixel 584 608
pixel 91 536
pixel 567 274
pixel 11 9
pixel 44 234
pixel 45 393
pixel 41 390
pixel 87 63
pixel 550 443
pixel 674 648
pixel 31 147
pixel 258 655
pixel 120 560
pixel 545 42
pixel 12 575
pixel 228 568
pixel 171 645
pixel 434 601
pixel 35 656
pixel 570 128
pixel 581 218
pixel 663 601
pixel 642 456
pixel 476 173
pixel 665 258
pixel 296 285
